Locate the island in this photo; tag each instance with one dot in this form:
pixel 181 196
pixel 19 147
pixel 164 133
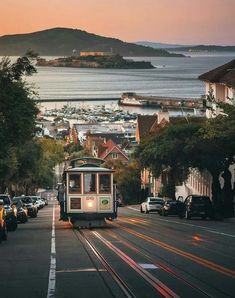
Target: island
pixel 96 61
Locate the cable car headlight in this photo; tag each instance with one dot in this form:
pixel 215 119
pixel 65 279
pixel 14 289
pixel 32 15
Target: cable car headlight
pixel 90 204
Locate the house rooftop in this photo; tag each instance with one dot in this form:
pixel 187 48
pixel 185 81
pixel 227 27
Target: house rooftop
pixel 224 74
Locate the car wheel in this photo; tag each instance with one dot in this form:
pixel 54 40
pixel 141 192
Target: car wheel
pixel 187 216
pixel 13 226
pixel 34 215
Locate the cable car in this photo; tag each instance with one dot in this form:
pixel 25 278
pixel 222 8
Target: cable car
pixel 90 193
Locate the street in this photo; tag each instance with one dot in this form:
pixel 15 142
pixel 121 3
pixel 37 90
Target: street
pixel 137 255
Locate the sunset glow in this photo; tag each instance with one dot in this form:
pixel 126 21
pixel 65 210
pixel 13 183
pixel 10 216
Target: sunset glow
pixel 170 21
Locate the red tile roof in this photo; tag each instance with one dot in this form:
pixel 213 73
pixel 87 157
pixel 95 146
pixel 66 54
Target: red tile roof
pixel 109 146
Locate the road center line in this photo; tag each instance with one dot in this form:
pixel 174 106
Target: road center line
pixel 52 273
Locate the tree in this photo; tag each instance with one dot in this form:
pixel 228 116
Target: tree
pixel 168 152
pixel 209 145
pixel 17 112
pixel 127 177
pixel 214 150
pixel 53 153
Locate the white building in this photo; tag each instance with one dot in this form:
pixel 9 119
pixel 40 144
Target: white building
pixel 221 82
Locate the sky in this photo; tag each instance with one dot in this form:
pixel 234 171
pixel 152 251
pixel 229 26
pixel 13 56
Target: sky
pixel 167 21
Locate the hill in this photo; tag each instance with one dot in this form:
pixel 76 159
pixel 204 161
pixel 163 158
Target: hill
pixel 62 41
pixel 186 48
pixel 158 45
pixel 205 48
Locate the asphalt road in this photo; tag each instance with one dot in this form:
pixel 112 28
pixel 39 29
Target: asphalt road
pixel 137 255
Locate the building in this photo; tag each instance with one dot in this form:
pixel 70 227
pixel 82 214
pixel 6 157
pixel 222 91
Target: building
pixel 220 82
pixel 220 87
pixel 90 53
pixel 147 125
pixel 109 150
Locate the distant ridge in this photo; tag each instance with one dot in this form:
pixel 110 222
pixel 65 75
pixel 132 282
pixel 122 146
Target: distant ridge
pixel 62 41
pixel 158 45
pixel 186 48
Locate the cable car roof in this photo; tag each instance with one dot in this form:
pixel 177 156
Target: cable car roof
pixel 89 169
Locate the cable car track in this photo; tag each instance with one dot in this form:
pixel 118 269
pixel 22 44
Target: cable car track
pixel 87 243
pixel 145 254
pixel 159 287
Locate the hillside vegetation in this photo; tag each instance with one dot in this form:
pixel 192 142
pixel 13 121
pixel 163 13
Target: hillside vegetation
pixel 62 41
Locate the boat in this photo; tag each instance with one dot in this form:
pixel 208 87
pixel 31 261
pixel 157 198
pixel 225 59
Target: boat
pixel 131 99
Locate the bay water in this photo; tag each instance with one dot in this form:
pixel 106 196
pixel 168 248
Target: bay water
pixel 176 77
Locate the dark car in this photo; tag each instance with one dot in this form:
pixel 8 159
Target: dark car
pixel 22 211
pixel 196 206
pixel 29 204
pixel 11 212
pixel 170 207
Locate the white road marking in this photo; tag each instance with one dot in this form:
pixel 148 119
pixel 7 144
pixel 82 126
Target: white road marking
pixel 133 208
pixel 148 266
pixel 220 233
pixel 52 273
pixel 188 224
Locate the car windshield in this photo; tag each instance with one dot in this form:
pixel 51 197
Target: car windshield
pixel 18 202
pixel 6 200
pixel 157 201
pixel 26 200
pixel 200 199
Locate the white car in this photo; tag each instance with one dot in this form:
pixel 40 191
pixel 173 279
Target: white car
pixel 152 204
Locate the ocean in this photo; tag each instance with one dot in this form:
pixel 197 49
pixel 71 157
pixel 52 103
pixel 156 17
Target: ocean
pixel 177 77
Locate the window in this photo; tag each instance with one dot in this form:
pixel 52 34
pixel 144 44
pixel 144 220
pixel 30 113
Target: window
pixel 114 155
pixel 104 183
pixel 75 183
pixel 89 183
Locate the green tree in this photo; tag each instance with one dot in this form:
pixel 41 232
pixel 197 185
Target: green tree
pixel 127 177
pixel 17 112
pixel 53 153
pixel 168 152
pixel 209 145
pixel 213 149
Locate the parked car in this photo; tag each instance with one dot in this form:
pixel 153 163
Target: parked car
pixel 31 207
pixel 22 211
pixel 151 204
pixel 45 201
pixel 37 201
pixel 11 212
pixel 170 207
pixel 196 206
pixel 3 226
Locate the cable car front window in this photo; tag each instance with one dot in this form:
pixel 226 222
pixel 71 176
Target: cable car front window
pixel 104 183
pixel 89 183
pixel 75 183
